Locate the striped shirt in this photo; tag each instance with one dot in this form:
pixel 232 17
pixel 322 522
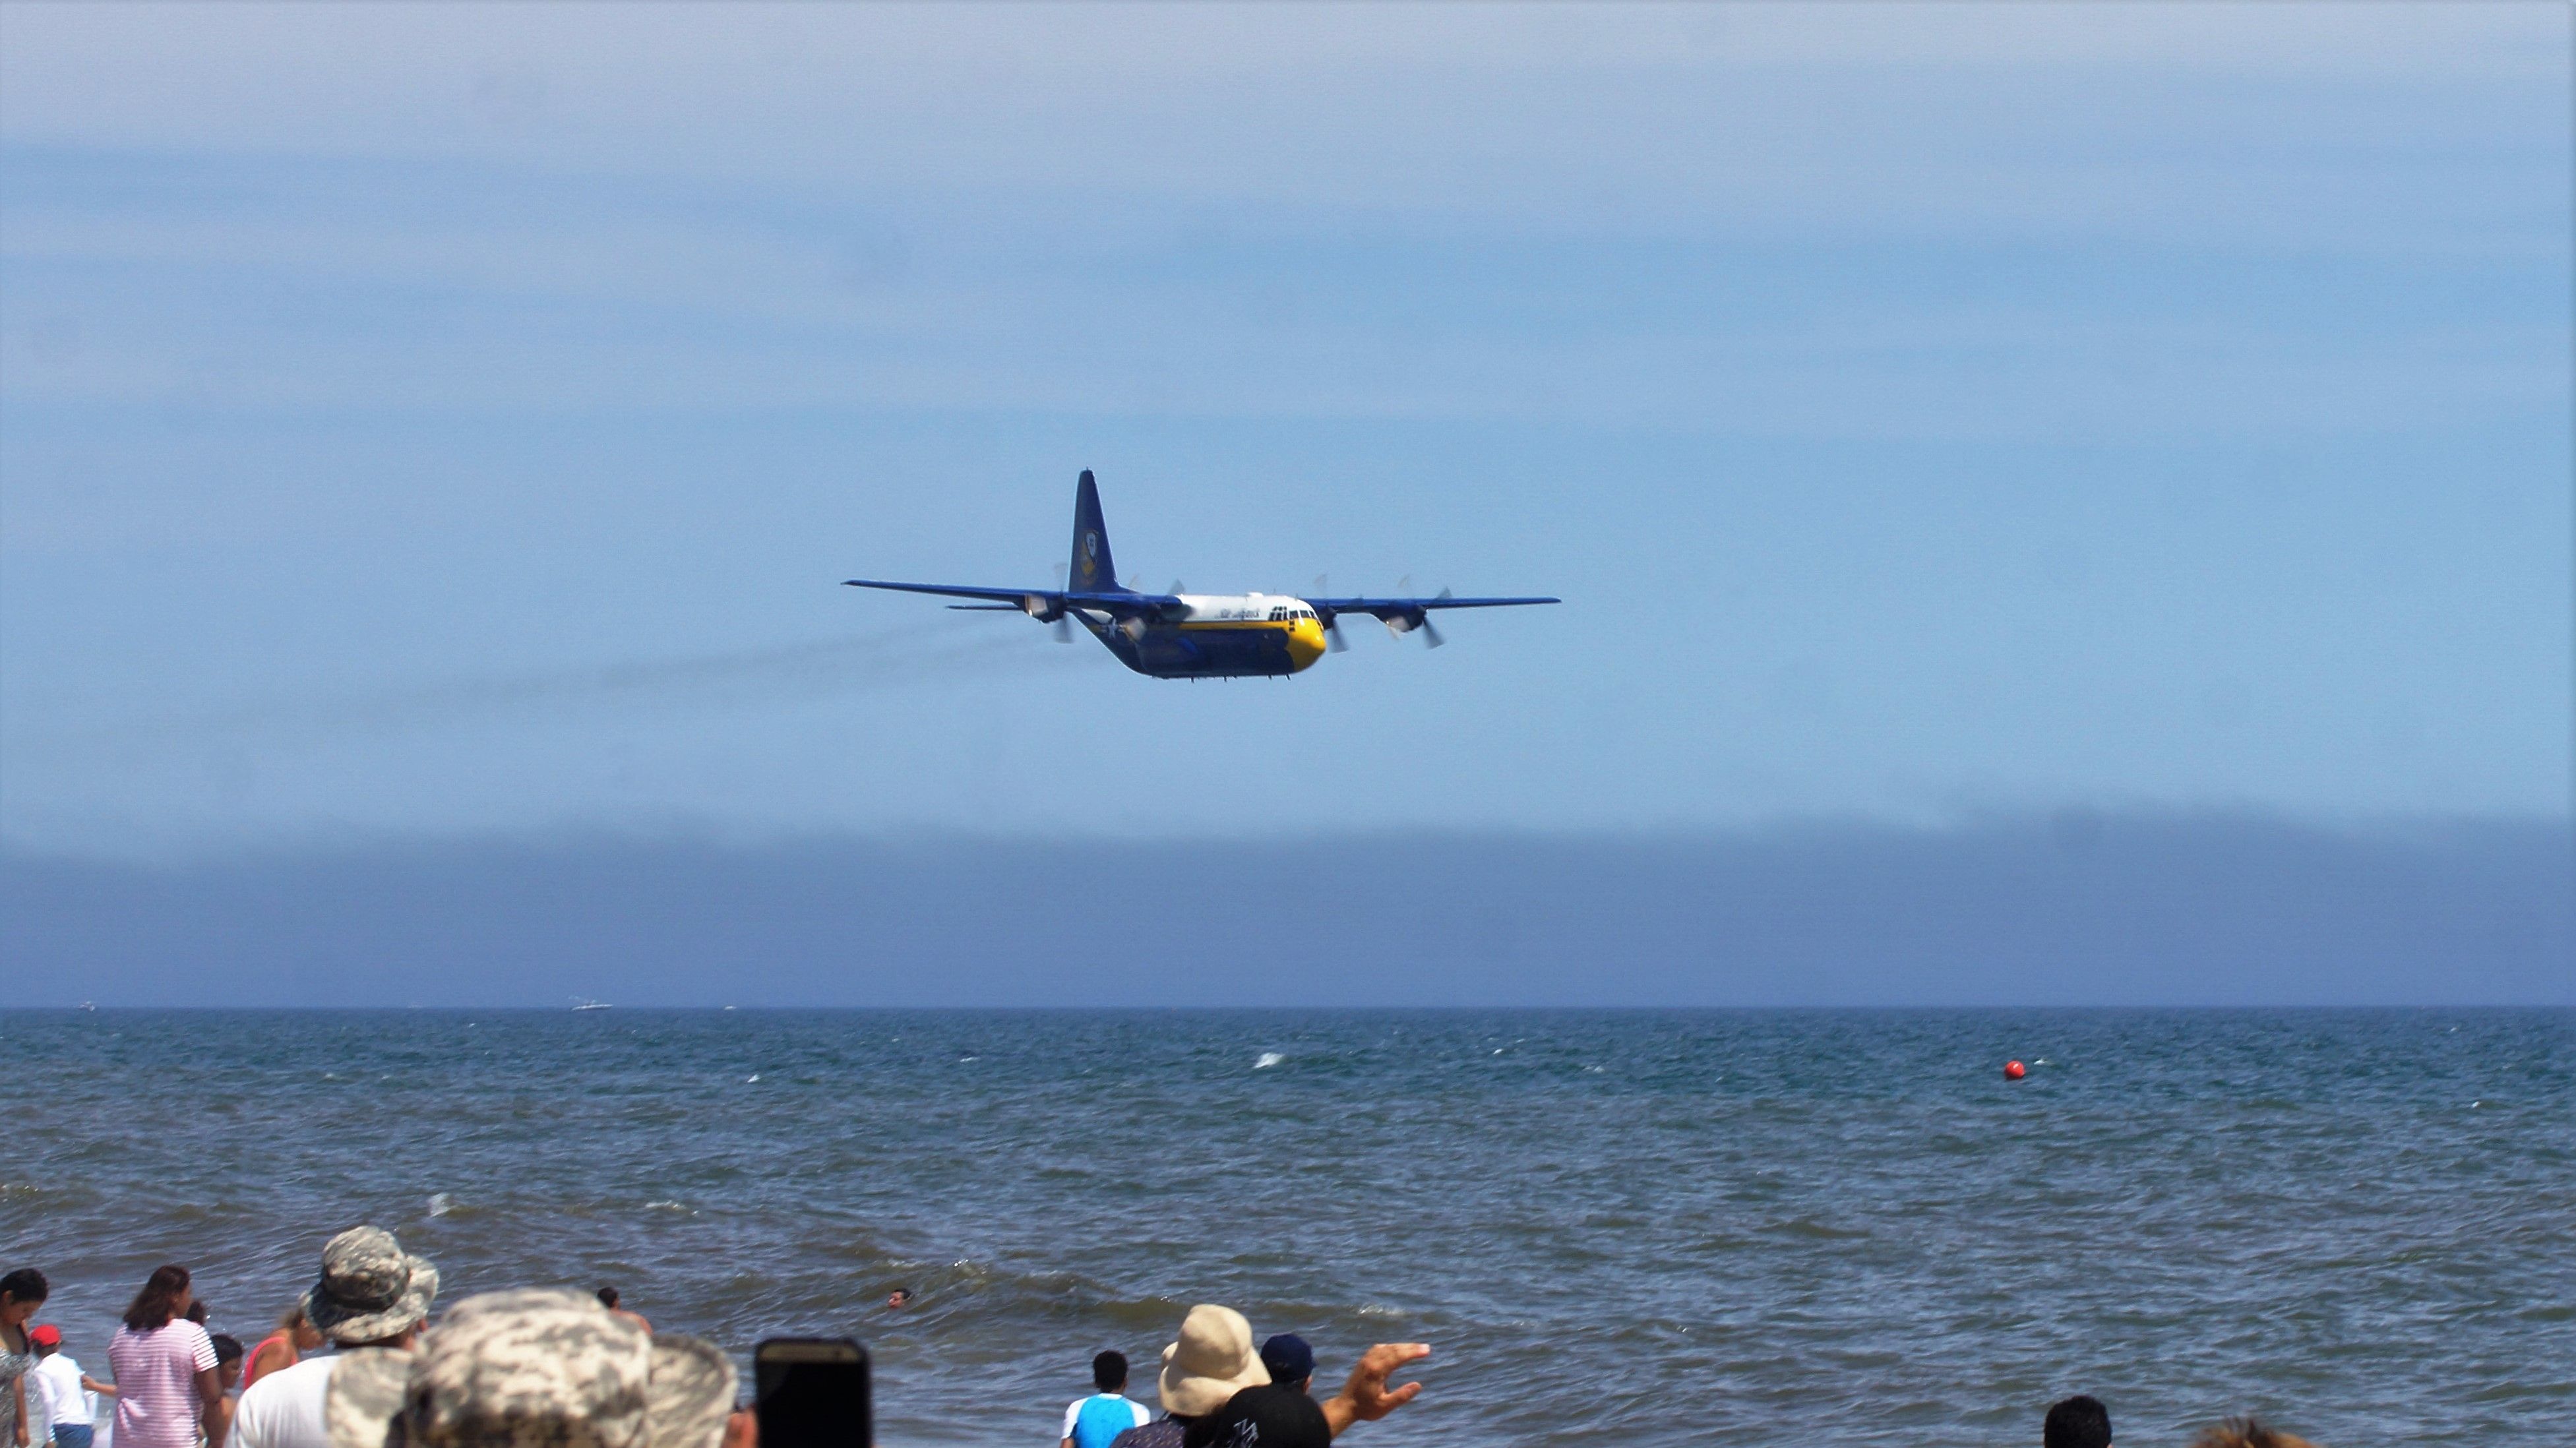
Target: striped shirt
pixel 156 1383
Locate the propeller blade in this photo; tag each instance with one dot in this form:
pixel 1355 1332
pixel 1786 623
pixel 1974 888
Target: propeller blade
pixel 1062 628
pixel 1431 638
pixel 1177 586
pixel 1333 639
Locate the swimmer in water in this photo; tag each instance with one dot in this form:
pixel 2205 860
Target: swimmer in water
pixel 900 1297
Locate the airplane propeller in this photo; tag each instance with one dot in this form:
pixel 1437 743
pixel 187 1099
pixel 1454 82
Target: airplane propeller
pixel 1398 626
pixel 1418 620
pixel 1062 628
pixel 1333 639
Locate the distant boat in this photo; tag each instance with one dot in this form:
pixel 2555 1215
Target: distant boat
pixel 87 1006
pixel 582 1004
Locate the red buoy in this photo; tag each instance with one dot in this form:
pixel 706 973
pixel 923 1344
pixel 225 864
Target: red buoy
pixel 2013 1071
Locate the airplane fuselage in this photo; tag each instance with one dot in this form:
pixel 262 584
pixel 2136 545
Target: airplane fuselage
pixel 1180 635
pixel 1216 636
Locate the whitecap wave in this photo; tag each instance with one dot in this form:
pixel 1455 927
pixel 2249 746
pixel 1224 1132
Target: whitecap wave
pixel 1268 1059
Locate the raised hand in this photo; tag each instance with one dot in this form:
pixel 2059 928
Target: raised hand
pixel 1366 1397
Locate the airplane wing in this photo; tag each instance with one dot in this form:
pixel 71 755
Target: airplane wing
pixel 957 590
pixel 1403 615
pixel 1042 603
pixel 1387 607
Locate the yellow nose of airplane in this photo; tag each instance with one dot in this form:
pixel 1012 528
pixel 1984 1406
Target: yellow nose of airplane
pixel 1305 644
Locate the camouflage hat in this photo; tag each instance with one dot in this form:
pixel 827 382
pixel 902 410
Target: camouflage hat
pixel 369 1288
pixel 533 1369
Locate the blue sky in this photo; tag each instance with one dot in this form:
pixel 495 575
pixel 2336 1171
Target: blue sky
pixel 437 421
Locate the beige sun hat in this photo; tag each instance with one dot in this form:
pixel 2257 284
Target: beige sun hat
pixel 1212 1362
pixel 534 1369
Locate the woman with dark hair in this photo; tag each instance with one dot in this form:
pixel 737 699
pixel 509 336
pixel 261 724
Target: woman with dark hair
pixel 21 1293
pixel 166 1380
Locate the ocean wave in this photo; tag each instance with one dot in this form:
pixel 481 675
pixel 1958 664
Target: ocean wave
pixel 1832 1246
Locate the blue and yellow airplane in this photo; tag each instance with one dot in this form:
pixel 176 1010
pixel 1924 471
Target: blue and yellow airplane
pixel 1180 635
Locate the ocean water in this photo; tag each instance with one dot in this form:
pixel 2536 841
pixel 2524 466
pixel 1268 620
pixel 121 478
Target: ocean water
pixel 1644 1228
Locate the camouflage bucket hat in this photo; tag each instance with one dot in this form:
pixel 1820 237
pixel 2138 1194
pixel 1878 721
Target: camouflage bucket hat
pixel 533 1369
pixel 369 1288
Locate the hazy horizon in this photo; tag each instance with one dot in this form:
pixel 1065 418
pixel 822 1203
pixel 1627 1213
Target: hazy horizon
pixel 2074 909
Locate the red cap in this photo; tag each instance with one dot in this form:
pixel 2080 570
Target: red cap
pixel 45 1334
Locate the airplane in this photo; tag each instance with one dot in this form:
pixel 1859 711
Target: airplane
pixel 1180 635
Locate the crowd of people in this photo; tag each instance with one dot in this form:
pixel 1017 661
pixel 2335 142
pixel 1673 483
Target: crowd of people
pixel 1216 1390
pixel 536 1367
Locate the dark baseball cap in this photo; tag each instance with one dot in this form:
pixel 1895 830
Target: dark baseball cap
pixel 1268 1416
pixel 1288 1358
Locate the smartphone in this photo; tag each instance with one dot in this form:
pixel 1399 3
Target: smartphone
pixel 813 1393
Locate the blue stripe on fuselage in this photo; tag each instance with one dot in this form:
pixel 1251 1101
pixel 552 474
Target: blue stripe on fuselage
pixel 1199 651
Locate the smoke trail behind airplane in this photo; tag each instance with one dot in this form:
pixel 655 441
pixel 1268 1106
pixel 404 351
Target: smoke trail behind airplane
pixel 820 669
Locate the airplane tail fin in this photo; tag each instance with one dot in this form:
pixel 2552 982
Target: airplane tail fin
pixel 1092 571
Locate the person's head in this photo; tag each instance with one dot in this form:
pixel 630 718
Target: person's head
pixel 299 1329
pixel 2247 1433
pixel 196 1312
pixel 21 1293
pixel 45 1338
pixel 533 1367
pixel 900 1297
pixel 1209 1362
pixel 1289 1361
pixel 164 1296
pixel 370 1293
pixel 2077 1422
pixel 608 1298
pixel 1109 1371
pixel 228 1358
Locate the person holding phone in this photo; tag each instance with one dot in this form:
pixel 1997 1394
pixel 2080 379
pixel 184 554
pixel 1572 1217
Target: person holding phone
pixel 813 1393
